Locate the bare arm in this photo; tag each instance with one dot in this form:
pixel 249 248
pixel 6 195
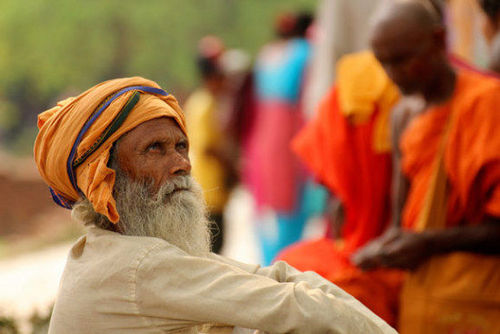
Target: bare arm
pixel 371 255
pixel 483 238
pixel 399 184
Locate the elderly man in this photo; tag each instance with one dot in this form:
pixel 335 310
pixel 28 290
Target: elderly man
pixel 118 156
pixel 448 165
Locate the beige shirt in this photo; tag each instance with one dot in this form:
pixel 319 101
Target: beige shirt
pixel 121 284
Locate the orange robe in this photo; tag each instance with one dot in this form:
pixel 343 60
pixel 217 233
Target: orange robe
pixel 472 155
pixel 346 147
pixel 458 292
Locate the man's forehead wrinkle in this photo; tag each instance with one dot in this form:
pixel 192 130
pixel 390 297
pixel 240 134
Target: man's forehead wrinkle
pixel 157 129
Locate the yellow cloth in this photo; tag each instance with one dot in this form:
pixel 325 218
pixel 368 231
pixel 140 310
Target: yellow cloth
pixel 120 284
pixel 204 134
pixel 59 127
pixel 361 80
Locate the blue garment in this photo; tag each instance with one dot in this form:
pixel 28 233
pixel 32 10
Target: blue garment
pixel 287 229
pixel 282 78
pixel 279 76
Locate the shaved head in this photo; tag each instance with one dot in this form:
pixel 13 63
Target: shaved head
pixel 408 16
pixel 408 38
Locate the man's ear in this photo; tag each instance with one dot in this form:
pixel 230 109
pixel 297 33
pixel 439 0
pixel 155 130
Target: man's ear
pixel 112 161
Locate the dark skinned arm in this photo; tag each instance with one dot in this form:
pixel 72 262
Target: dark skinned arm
pixel 369 257
pixel 406 250
pixel 400 184
pixel 483 238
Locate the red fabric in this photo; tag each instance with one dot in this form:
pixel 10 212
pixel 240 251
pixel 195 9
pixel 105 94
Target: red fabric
pixel 272 172
pixel 341 156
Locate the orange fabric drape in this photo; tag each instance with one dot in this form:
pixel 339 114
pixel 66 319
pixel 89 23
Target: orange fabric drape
pixel 452 153
pixel 346 148
pixel 345 145
pixel 472 159
pixel 341 156
pixel 60 125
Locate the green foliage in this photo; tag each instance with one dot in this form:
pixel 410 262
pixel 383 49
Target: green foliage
pixel 58 44
pixel 52 48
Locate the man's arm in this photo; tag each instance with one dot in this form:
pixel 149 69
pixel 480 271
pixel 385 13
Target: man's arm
pixel 400 118
pixel 409 249
pixel 174 285
pixel 371 255
pixel 282 272
pixel 483 238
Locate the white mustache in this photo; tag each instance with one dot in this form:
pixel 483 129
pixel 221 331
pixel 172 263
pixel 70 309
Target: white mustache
pixel 177 183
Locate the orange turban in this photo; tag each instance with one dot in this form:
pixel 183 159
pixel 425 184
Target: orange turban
pixel 73 145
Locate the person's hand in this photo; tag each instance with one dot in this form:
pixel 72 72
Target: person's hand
pixel 402 250
pixel 370 256
pixel 407 251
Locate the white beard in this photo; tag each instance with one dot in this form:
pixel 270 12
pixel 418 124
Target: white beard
pixel 178 217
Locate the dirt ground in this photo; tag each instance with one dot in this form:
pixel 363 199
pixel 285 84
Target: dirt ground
pixel 26 208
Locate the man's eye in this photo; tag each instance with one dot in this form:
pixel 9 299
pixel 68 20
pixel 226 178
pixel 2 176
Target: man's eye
pixel 183 145
pixel 154 147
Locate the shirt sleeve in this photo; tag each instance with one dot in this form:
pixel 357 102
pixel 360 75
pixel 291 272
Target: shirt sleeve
pixel 171 284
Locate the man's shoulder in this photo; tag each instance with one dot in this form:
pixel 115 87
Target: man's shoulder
pixel 478 99
pixel 105 246
pixel 476 87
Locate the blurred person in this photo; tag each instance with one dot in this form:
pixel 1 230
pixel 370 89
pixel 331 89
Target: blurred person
pixel 491 31
pixel 347 147
pixel 210 152
pixel 118 156
pixel 271 171
pixel 448 163
pixel 240 100
pixel 340 27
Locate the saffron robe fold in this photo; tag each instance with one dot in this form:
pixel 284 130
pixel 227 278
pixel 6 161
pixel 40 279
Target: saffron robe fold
pixel 347 148
pixel 455 142
pixel 471 157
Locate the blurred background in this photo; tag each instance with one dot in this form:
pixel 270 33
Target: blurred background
pixel 50 50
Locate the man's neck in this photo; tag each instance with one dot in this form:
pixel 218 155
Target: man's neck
pixel 442 88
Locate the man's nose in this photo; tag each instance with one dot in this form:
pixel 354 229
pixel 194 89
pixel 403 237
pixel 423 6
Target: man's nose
pixel 180 166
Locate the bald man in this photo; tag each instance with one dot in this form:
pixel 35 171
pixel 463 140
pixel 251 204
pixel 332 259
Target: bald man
pixel 447 201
